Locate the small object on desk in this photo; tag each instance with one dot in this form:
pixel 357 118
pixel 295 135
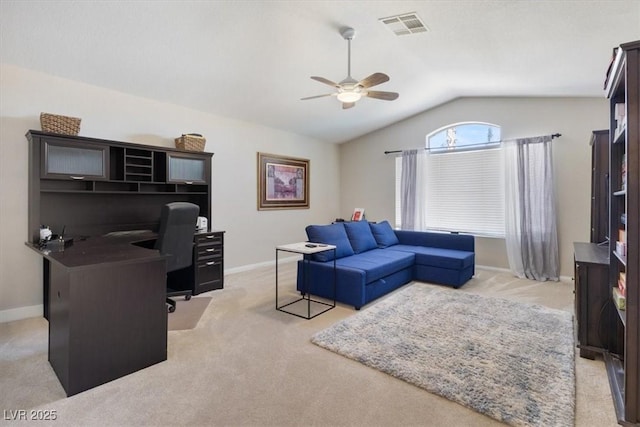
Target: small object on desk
pixel 59 243
pixel 311 245
pixel 202 224
pixel 45 233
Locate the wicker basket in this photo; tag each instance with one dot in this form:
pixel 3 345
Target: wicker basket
pixel 59 124
pixel 191 142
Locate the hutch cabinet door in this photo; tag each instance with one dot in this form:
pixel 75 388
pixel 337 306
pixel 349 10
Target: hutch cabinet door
pixel 185 168
pixel 74 160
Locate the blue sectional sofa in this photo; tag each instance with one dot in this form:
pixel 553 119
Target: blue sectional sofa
pixel 373 259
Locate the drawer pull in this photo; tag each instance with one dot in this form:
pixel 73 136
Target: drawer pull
pixel 211 237
pixel 211 262
pixel 77 177
pixel 210 250
pixel 188 182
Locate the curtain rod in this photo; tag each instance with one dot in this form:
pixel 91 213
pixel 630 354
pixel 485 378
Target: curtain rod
pixel 555 135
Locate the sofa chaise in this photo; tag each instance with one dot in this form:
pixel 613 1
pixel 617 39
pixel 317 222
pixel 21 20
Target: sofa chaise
pixel 373 259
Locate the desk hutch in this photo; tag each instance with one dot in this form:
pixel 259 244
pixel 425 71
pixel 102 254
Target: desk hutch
pixel 94 186
pixel 89 187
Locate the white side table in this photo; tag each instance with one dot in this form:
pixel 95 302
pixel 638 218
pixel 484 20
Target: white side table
pixel 306 249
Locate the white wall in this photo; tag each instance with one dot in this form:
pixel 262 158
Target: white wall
pixel 250 234
pixel 368 174
pixel 358 171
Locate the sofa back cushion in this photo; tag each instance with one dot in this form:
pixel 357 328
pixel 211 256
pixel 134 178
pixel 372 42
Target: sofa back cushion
pixel 384 234
pixel 332 234
pixel 360 236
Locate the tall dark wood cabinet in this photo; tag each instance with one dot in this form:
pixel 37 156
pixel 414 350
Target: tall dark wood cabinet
pixel 599 185
pixel 623 92
pixel 596 316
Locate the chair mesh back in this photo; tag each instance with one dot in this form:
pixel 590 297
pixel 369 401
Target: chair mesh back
pixel 175 237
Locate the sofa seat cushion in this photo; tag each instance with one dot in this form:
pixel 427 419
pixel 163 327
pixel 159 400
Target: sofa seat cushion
pixel 332 234
pixel 437 257
pixel 360 236
pixel 378 263
pixel 384 234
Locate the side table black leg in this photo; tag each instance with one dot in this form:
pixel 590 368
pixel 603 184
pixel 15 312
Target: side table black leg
pixel 335 278
pixel 306 285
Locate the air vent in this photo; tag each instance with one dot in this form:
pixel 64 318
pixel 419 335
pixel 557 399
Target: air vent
pixel 408 23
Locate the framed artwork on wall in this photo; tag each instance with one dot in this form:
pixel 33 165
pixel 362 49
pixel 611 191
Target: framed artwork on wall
pixel 283 182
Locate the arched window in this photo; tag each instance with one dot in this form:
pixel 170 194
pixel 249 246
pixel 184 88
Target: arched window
pixel 464 136
pixel 464 180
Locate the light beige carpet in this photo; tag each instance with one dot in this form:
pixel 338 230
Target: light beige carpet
pixel 187 313
pixel 246 364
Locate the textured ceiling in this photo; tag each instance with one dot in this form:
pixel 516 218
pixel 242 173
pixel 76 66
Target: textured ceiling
pixel 251 60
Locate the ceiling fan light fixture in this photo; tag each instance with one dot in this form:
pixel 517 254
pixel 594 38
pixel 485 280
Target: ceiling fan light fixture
pixel 350 90
pixel 349 96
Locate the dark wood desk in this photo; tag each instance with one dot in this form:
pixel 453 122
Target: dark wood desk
pixel 107 311
pixel 103 296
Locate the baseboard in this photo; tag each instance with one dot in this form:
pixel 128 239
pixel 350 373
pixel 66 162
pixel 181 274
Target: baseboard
pixel 21 313
pixel 295 258
pixel 487 267
pixel 506 270
pixel 260 265
pixel 37 310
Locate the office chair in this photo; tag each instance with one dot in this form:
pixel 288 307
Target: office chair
pixel 175 239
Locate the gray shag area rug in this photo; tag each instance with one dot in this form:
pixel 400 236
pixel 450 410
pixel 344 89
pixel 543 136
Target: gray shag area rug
pixel 511 361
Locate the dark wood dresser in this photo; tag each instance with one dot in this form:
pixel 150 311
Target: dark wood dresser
pixel 598 329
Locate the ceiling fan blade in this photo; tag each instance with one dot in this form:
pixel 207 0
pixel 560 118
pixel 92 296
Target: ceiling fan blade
pixel 325 81
pixel 317 96
pixel 373 80
pixel 346 105
pixel 386 96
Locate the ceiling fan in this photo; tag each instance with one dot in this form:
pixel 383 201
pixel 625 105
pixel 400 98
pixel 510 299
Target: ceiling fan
pixel 351 90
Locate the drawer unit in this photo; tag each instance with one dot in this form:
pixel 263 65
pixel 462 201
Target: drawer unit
pixel 208 261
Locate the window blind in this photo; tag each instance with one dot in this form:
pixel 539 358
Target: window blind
pixel 465 192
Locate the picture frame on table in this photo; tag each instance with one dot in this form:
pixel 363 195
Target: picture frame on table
pixel 358 214
pixel 283 182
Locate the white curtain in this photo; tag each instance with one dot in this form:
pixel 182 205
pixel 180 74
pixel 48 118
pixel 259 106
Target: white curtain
pixel 413 190
pixel 531 233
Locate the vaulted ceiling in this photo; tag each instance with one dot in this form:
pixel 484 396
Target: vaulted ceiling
pixel 252 60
